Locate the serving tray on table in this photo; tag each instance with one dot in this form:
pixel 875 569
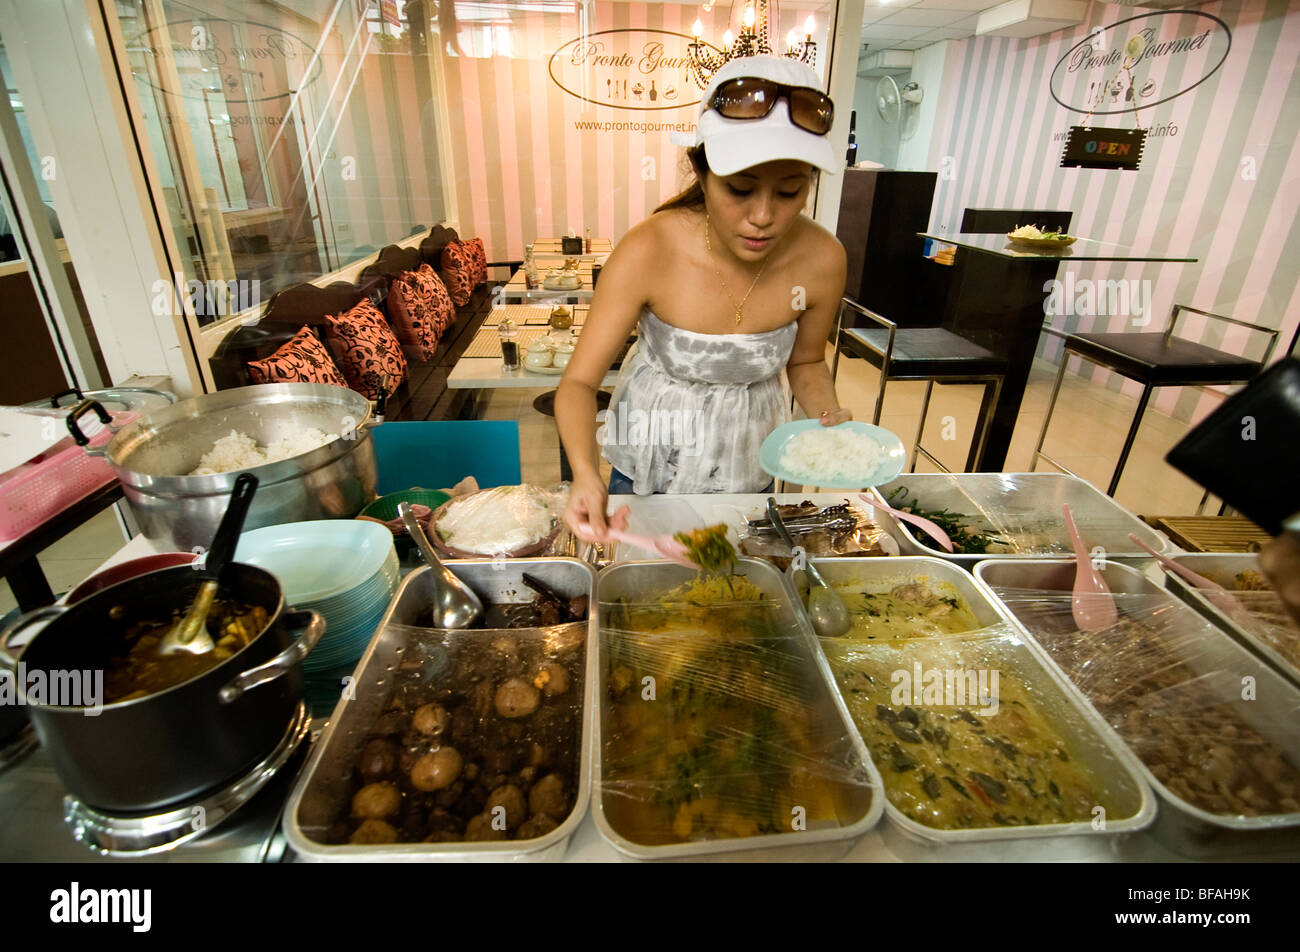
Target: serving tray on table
pixel 1026 509
pixel 1036 592
pixel 842 762
pixel 325 784
pixel 998 644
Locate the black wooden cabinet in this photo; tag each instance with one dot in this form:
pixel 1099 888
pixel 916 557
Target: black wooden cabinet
pixel 881 211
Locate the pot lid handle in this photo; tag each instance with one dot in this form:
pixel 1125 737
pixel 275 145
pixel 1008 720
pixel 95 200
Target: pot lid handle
pixel 7 658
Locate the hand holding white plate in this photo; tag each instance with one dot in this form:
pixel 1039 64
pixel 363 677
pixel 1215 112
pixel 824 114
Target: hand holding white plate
pixel 851 455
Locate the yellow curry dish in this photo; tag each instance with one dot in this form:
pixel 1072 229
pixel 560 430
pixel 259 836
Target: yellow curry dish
pixel 961 740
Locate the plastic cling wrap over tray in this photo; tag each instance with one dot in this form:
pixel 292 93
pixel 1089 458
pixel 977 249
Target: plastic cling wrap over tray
pixel 506 520
pixel 839 530
pixel 717 724
pixel 1013 513
pixel 967 728
pixel 477 739
pixel 1159 678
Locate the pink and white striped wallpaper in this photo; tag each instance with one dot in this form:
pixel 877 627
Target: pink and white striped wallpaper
pixel 531 159
pixel 1220 178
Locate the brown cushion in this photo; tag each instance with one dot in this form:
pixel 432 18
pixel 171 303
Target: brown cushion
pixel 458 271
pixel 302 359
pixel 480 260
pixel 366 350
pixel 442 303
pixel 414 311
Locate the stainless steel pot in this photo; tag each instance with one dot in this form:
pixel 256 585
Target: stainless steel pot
pixel 152 455
pixel 138 755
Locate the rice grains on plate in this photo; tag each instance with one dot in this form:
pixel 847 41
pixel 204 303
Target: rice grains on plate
pixel 829 454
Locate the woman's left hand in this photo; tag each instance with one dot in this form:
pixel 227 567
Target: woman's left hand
pixel 835 417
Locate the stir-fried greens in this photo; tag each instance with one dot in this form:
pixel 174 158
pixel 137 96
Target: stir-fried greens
pixel 966 539
pixel 708 548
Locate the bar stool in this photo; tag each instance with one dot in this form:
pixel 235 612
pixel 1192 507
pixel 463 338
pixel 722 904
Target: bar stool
pixel 1154 360
pixel 931 354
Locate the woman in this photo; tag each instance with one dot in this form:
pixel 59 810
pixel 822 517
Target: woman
pixel 731 284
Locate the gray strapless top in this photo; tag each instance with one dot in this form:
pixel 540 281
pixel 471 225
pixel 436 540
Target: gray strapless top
pixel 691 410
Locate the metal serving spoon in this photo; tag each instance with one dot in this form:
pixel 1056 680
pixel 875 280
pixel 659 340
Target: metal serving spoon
pixel 190 634
pixel 454 603
pixel 1093 606
pixel 826 610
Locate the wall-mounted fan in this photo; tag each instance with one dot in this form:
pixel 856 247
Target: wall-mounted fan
pixel 890 98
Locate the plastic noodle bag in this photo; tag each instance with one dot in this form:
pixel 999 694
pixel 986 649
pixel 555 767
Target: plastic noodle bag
pixel 1181 700
pixel 844 529
pixel 506 520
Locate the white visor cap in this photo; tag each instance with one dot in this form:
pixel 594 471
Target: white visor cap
pixel 735 144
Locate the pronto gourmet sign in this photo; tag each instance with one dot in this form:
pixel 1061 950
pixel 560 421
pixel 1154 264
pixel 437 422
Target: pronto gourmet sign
pixel 626 69
pixel 1084 79
pixel 256 62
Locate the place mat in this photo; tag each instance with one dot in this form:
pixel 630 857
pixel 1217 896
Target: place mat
pixel 487 343
pixel 1211 533
pixel 519 313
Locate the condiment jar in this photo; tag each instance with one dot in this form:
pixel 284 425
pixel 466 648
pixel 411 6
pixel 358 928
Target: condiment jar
pixel 538 356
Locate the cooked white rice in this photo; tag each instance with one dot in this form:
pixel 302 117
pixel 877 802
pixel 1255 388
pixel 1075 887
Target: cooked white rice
pixel 831 454
pixel 239 451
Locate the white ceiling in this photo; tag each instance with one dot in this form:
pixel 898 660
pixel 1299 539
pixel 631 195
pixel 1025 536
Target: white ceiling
pixel 913 24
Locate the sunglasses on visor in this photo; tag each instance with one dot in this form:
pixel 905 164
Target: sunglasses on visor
pixel 749 98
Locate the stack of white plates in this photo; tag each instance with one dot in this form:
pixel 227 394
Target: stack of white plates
pixel 345 569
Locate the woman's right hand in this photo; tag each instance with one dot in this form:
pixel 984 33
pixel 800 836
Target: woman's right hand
pixel 585 512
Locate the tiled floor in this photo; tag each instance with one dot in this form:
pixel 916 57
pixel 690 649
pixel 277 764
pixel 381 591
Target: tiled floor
pixel 1087 431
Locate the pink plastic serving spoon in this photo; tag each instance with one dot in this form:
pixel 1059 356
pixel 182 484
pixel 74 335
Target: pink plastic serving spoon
pixel 931 529
pixel 1092 606
pixel 1216 593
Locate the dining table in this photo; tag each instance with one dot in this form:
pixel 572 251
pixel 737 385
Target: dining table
pixel 997 291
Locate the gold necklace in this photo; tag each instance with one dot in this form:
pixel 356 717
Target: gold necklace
pixel 708 245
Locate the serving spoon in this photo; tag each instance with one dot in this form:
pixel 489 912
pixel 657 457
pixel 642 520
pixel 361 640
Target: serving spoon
pixel 454 603
pixel 1222 598
pixel 664 545
pixel 1093 606
pixel 920 521
pixel 826 610
pixel 190 634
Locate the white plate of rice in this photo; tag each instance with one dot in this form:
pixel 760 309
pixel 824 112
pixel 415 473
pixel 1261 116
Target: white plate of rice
pixel 849 456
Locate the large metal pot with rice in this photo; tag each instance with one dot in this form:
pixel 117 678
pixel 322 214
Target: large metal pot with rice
pixel 154 457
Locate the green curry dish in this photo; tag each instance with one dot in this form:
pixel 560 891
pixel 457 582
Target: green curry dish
pixel 965 538
pixel 709 548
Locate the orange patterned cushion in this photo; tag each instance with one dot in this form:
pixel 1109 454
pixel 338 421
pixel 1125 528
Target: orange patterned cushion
pixel 480 260
pixel 413 309
pixel 366 349
pixel 445 310
pixel 458 271
pixel 303 359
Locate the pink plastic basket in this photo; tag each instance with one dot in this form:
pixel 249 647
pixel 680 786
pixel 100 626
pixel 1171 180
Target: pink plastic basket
pixel 47 484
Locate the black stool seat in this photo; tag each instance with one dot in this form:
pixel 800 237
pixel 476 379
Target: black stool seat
pixel 1162 361
pixel 925 353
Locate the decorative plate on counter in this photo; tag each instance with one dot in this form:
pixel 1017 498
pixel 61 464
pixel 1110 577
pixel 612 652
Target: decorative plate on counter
pixel 1051 241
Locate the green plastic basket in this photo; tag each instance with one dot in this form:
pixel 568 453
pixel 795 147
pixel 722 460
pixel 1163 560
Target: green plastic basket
pixel 385 507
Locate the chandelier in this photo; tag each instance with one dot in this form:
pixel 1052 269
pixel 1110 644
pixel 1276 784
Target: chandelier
pixel 748 30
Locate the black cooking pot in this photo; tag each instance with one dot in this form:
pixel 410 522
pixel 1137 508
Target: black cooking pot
pixel 137 756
